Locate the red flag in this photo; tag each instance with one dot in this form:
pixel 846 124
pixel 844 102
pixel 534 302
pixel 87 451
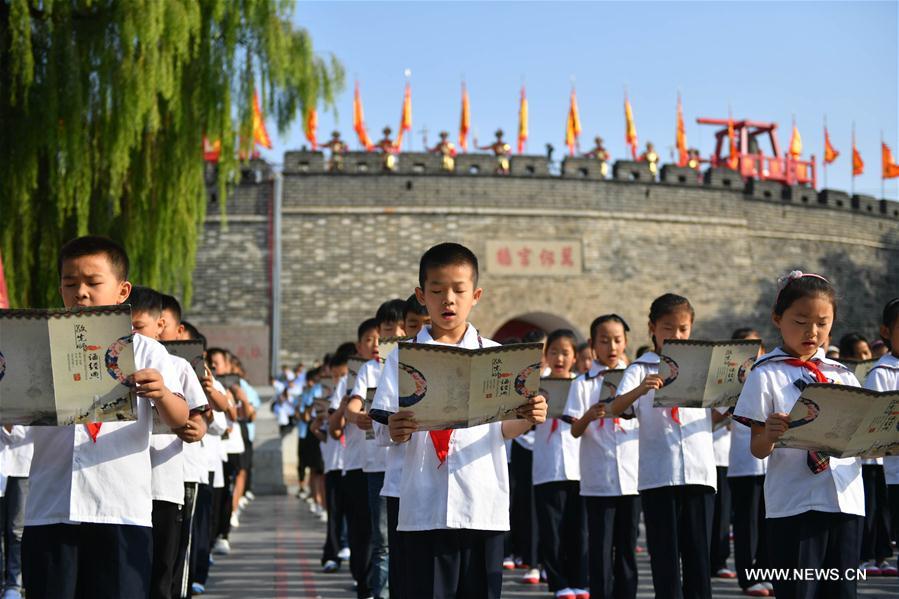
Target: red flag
pixel 465 120
pixel 406 116
pixel 522 121
pixel 733 157
pixel 858 165
pixel 681 135
pixel 795 143
pixel 890 168
pixel 311 127
pixel 830 153
pixel 4 293
pixel 359 121
pixel 573 126
pixel 630 129
pixel 260 133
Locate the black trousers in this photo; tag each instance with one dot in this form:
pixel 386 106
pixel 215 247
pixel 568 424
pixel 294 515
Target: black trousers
pixel 454 564
pixel 876 529
pixel 561 524
pixel 202 530
pixel 893 499
pixel 166 537
pixel 334 505
pixel 720 547
pixel 678 533
pixel 395 548
pixel 613 526
pixel 523 517
pixel 815 540
pixel 179 577
pixel 354 494
pixel 750 532
pixel 87 561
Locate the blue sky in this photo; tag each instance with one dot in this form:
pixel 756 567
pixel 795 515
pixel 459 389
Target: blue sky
pixel 766 60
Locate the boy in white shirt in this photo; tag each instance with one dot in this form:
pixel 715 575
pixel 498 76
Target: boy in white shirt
pixel 454 494
pixel 88 517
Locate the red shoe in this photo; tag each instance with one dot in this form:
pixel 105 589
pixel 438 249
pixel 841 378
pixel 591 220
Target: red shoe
pixel 887 570
pixel 756 590
pixel 532 576
pixel 725 573
pixel 870 569
pixel 508 563
pixel 565 594
pixel 581 594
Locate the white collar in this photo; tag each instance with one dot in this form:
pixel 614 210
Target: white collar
pixel 469 339
pixel 888 360
pixel 778 354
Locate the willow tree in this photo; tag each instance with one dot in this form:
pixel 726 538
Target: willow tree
pixel 104 105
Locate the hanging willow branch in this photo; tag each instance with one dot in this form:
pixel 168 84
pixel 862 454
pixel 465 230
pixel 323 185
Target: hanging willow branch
pixel 103 109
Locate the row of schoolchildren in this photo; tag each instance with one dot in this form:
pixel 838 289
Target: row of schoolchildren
pixel 446 493
pixel 130 509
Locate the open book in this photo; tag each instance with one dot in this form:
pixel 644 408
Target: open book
pixel 453 387
pixel 861 368
pixel 387 345
pixel 62 367
pixel 193 351
pixel 366 406
pixel 353 365
pixel 844 422
pixel 704 374
pixel 555 390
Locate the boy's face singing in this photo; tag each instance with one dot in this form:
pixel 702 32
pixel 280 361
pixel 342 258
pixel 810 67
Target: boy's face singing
pixel 367 346
pixel 449 295
pixel 391 328
pixel 91 281
pixel 414 322
pixel 609 343
pixel 147 324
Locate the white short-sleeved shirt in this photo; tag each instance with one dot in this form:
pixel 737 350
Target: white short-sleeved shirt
pixel 18 447
pixel 741 462
pixel 332 453
pixel 212 443
pixel 526 440
pixel 885 377
pixel 74 479
pixel 791 488
pixel 166 450
pixel 470 490
pixel 353 441
pixel 556 453
pixel 609 452
pixel 375 454
pixel 671 454
pixel 721 441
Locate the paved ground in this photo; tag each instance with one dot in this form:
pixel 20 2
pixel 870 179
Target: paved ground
pixel 277 548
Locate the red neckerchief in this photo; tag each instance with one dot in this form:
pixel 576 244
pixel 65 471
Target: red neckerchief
pixel 441 439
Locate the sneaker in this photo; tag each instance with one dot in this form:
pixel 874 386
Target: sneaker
pixel 870 568
pixel 769 587
pixel 12 593
pixel 581 594
pixel 565 594
pixel 756 590
pixel 243 502
pixel 250 495
pixel 330 567
pixel 725 573
pixel 323 516
pixel 235 520
pixel 344 554
pixel 221 547
pixel 886 569
pixel 532 576
pixel 197 588
pixel 508 563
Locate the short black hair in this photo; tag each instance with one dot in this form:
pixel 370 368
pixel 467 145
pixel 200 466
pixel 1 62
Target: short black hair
pixel 193 332
pixel 413 306
pixel 391 311
pixel 890 313
pixel 847 345
pixel 668 304
pixel 91 245
pixel 744 333
pixel 170 303
pixel 367 325
pixel 601 320
pixel 347 348
pixel 144 299
pixel 447 254
pixel 211 351
pixel 582 346
pixel 338 359
pixel 561 334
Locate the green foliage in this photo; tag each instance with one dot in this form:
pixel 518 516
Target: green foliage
pixel 103 108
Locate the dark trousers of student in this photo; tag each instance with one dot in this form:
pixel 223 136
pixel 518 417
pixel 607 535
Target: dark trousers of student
pixel 354 494
pixel 334 505
pixel 453 564
pixel 720 548
pixel 12 508
pixel 678 532
pixel 380 557
pixel 202 533
pixel 612 525
pixel 180 575
pixel 87 561
pixel 166 537
pixel 815 540
pixel 893 499
pixel 396 549
pixel 523 517
pixel 876 528
pixel 562 530
pixel 750 532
